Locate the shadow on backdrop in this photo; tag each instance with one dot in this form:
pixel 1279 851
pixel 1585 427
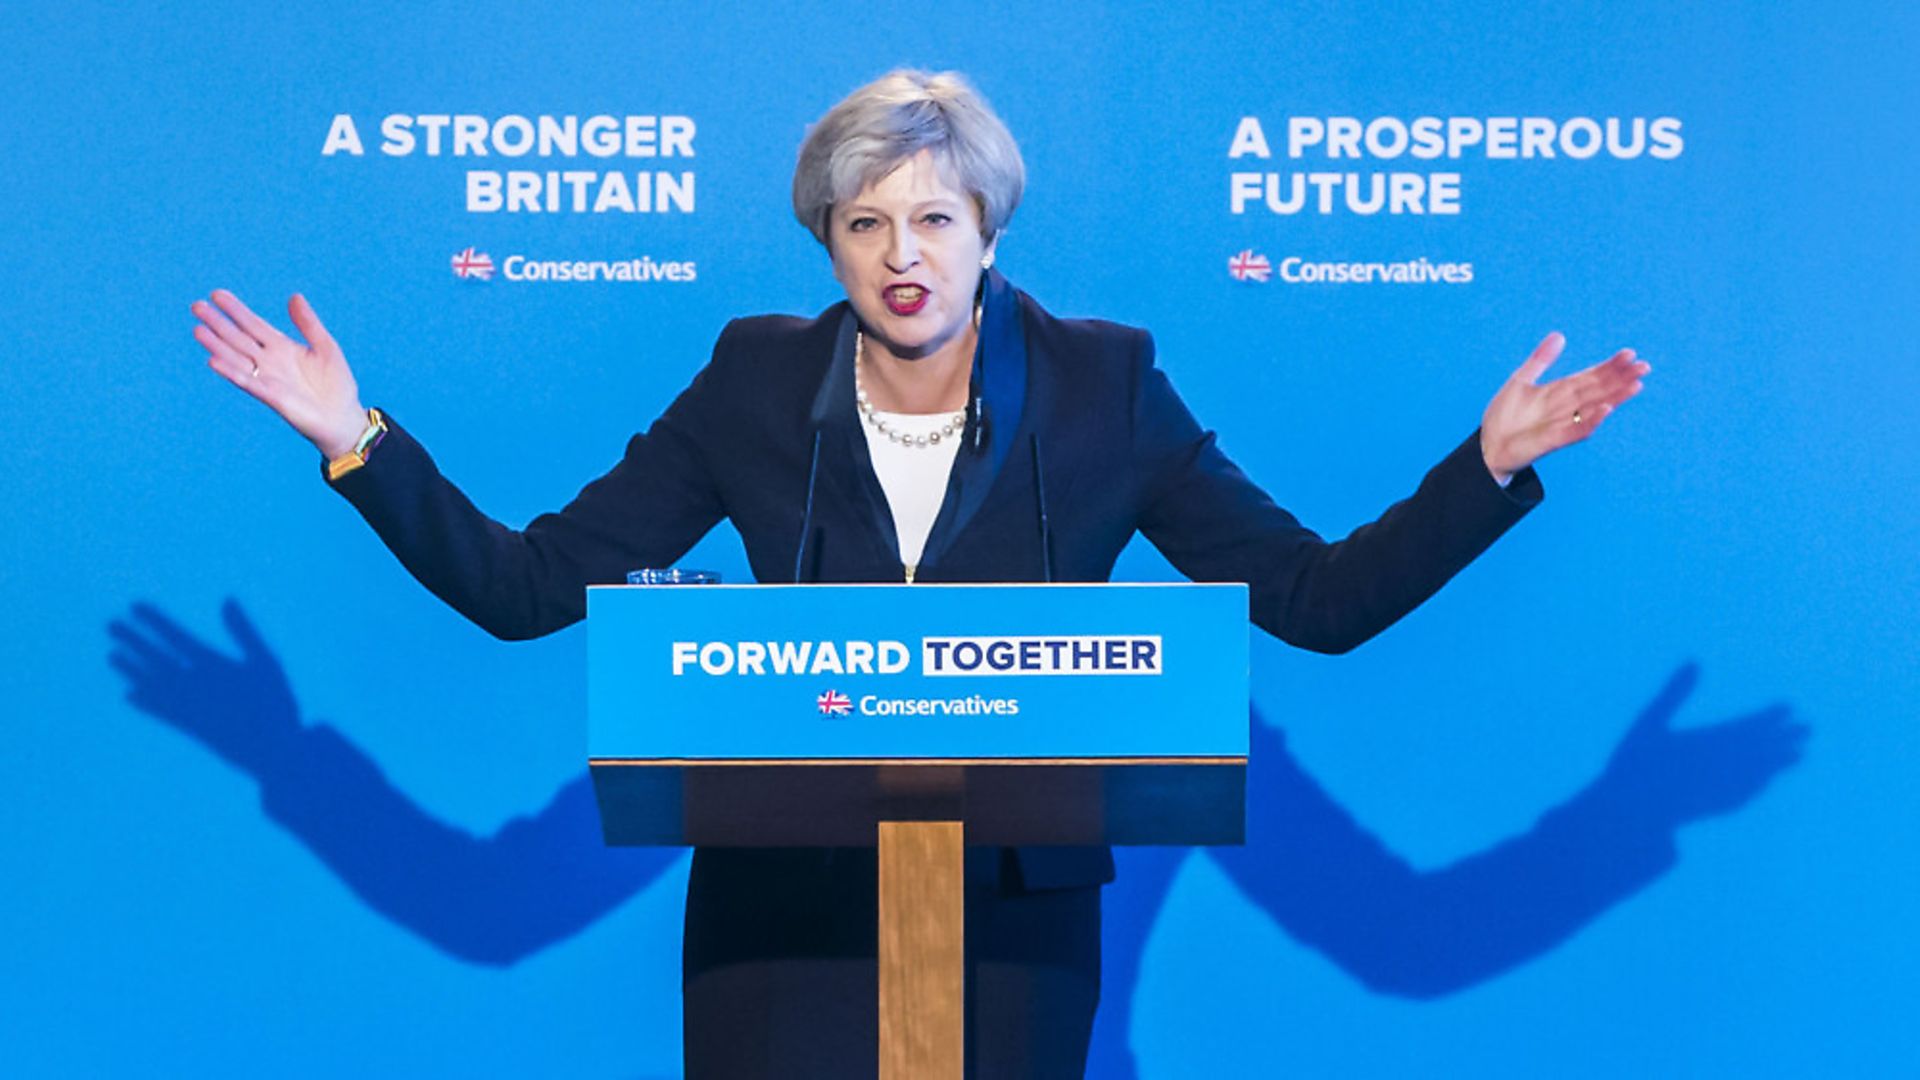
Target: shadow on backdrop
pixel 1423 934
pixel 1322 877
pixel 490 900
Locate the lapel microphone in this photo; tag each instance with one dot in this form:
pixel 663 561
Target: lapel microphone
pixel 1040 505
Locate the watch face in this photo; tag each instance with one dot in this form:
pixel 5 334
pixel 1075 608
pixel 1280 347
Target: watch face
pixel 370 438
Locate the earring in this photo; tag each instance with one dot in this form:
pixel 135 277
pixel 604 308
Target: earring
pixel 986 261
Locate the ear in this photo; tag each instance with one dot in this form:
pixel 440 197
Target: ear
pixel 987 256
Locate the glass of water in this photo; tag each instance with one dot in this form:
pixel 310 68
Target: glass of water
pixel 673 576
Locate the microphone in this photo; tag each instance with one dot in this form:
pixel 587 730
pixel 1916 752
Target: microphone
pixel 1046 525
pixel 822 407
pixel 806 517
pixel 978 425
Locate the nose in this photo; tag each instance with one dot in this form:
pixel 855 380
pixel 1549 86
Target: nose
pixel 904 252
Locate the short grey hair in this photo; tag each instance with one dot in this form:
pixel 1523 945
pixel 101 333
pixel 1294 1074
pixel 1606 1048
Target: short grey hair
pixel 882 124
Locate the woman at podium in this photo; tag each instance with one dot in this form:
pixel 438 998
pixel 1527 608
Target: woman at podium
pixel 936 425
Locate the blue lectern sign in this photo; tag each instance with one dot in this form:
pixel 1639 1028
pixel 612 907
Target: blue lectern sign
pixel 917 671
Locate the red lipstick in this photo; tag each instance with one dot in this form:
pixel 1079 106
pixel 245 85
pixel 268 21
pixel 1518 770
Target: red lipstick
pixel 905 299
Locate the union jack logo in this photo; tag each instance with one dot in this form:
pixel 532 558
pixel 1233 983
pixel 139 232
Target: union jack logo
pixel 473 264
pixel 1250 266
pixel 834 703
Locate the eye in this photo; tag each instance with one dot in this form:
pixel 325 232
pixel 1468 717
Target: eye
pixel 863 224
pixel 936 218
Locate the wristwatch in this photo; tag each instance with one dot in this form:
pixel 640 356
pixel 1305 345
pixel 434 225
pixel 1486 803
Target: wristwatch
pixel 362 446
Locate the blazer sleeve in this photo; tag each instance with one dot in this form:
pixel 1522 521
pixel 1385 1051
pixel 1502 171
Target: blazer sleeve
pixel 522 583
pixel 1214 524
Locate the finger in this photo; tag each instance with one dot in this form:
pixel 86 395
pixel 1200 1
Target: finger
pixel 130 667
pixel 1594 410
pixel 1790 736
pixel 1585 421
pixel 1621 395
pixel 223 329
pixel 1596 401
pixel 1594 381
pixel 1616 391
pixel 1658 713
pixel 1762 749
pixel 1754 729
pixel 1622 369
pixel 218 346
pixel 137 646
pixel 171 632
pixel 1793 733
pixel 1563 425
pixel 262 330
pixel 1776 718
pixel 240 374
pixel 308 322
pixel 1542 357
pixel 242 629
pixel 1785 759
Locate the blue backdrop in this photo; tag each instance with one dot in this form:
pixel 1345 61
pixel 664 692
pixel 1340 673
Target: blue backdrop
pixel 311 822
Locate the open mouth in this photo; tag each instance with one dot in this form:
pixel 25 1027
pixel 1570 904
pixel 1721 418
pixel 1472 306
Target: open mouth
pixel 905 299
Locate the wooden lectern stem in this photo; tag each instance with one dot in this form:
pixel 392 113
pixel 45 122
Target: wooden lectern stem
pixel 922 950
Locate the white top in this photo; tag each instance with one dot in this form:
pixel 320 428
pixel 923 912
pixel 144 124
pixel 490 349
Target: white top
pixel 914 478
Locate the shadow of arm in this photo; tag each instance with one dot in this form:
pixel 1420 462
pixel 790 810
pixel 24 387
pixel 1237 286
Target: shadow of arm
pixel 1427 933
pixel 489 900
pixel 1424 934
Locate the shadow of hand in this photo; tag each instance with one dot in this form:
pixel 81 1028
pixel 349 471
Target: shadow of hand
pixel 242 709
pixel 1682 775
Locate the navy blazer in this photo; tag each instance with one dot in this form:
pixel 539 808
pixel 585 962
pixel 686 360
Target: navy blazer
pixel 1075 418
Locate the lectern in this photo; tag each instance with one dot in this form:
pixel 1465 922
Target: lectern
pixel 919 718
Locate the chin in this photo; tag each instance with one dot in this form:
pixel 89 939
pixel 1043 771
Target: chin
pixel 901 336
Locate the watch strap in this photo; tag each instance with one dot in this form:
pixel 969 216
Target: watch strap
pixel 376 430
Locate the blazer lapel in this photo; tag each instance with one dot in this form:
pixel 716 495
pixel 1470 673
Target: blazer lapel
pixel 1001 353
pixel 845 467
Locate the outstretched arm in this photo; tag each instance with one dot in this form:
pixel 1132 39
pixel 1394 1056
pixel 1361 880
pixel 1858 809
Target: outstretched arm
pixel 1214 524
pixel 515 583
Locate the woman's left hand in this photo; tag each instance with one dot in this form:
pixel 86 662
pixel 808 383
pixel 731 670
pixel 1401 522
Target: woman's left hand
pixel 1528 420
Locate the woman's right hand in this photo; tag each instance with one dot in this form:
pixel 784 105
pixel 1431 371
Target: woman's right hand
pixel 309 384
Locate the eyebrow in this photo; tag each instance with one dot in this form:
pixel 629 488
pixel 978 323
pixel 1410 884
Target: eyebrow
pixel 939 200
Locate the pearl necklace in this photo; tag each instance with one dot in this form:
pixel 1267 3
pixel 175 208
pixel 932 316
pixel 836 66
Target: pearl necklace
pixel 932 438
